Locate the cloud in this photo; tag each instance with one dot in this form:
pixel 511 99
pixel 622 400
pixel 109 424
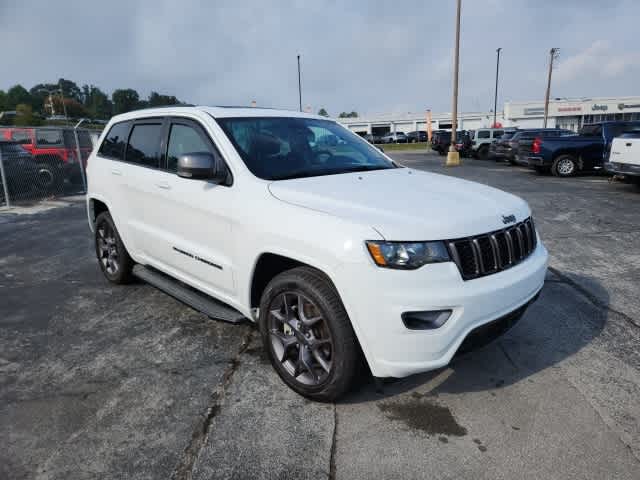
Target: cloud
pixel 599 60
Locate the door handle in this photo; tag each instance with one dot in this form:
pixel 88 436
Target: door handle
pixel 163 185
pixel 116 172
pixel 628 144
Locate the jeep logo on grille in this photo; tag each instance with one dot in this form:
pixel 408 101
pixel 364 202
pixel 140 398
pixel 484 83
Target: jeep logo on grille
pixel 508 219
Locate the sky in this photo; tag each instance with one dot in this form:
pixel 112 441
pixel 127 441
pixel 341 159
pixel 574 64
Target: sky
pixel 368 56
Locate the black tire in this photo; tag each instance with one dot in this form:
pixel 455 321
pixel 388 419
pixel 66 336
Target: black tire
pixel 315 287
pixel 440 152
pixel 483 152
pixel 564 166
pixel 49 178
pixel 106 229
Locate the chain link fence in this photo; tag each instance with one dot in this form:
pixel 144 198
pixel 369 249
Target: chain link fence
pixel 38 163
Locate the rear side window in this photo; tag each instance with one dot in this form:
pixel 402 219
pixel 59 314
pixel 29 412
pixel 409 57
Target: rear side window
pixel 483 134
pixel 144 144
pixel 21 136
pixel 498 133
pixel 49 138
pixel 115 141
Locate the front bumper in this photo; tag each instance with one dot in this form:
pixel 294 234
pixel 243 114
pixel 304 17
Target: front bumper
pixel 626 169
pixel 375 299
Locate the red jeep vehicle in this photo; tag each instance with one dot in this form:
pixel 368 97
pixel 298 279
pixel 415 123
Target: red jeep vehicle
pixel 54 150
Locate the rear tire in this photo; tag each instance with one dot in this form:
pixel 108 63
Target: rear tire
pixel 318 360
pixel 49 178
pixel 483 152
pixel 114 260
pixel 564 166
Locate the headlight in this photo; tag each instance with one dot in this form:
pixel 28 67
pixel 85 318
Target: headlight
pixel 407 255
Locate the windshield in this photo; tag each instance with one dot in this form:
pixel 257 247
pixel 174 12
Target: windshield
pixel 279 148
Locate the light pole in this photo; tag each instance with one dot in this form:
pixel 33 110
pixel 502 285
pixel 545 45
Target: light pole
pixel 553 54
pixel 299 85
pixel 495 97
pixel 453 157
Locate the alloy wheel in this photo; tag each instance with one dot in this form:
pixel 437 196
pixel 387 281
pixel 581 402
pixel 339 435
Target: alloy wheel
pixel 565 166
pixel 108 248
pixel 300 338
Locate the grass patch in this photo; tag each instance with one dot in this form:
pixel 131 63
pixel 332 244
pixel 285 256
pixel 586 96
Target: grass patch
pixel 394 147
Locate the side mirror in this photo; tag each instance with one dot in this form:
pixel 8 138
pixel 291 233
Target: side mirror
pixel 201 166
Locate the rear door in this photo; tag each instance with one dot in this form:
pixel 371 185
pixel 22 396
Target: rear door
pixel 194 216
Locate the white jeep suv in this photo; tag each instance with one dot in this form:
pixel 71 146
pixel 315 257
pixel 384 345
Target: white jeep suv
pixel 292 221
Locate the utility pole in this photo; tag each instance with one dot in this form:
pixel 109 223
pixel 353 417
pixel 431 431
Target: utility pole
pixel 553 54
pixel 495 98
pixel 64 107
pixel 453 157
pixel 299 85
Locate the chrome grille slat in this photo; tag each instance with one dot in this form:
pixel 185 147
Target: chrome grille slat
pixel 493 252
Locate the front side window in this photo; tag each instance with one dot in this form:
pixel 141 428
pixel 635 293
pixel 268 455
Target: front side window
pixel 483 134
pixel 184 139
pixel 144 144
pixel 115 141
pixel 279 148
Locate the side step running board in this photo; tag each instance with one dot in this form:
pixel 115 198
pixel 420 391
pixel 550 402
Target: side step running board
pixel 195 299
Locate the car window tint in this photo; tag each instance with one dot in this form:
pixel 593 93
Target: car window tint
pixel 115 141
pixel 498 133
pixel 483 134
pixel 144 144
pixel 20 136
pixel 49 137
pixel 184 139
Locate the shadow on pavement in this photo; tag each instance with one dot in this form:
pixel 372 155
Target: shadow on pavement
pixel 557 326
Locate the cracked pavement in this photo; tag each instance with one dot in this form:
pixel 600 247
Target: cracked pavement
pixel 101 381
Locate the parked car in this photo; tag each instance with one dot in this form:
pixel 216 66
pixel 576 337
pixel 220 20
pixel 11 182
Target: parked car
pixel 320 247
pixel 394 137
pixel 373 138
pixel 624 157
pixel 417 136
pixel 520 145
pixel 502 149
pixel 565 156
pixel 20 169
pixel 482 139
pixel 54 149
pixel 441 139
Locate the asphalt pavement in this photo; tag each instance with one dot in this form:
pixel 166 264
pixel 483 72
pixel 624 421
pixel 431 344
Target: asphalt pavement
pixel 102 381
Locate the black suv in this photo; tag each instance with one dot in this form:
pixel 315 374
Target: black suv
pixel 20 169
pixel 417 136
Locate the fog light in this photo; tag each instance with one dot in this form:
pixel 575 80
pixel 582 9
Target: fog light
pixel 425 320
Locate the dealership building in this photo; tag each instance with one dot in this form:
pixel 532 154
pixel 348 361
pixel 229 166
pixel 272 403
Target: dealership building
pixel 563 113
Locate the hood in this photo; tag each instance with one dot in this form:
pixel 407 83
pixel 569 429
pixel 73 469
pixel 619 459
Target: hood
pixel 405 204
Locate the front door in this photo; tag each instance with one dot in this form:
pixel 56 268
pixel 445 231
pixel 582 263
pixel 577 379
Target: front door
pixel 195 215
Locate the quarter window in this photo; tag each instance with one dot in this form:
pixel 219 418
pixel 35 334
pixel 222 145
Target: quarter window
pixel 49 137
pixel 144 145
pixel 115 141
pixel 184 139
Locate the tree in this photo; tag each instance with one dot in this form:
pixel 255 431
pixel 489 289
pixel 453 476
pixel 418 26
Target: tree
pixel 348 115
pixel 158 100
pixel 70 89
pixel 323 112
pixel 3 100
pixel 24 116
pixel 17 95
pixel 125 100
pixel 96 102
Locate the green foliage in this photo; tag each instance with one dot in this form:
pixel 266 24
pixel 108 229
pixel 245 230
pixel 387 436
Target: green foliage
pixel 125 100
pixel 348 115
pixel 25 116
pixel 323 112
pixel 17 95
pixel 80 102
pixel 158 100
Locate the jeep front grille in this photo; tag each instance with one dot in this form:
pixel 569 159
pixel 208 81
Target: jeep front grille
pixel 493 252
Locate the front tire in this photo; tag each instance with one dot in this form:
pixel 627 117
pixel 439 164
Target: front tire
pixel 483 153
pixel 114 260
pixel 564 166
pixel 48 178
pixel 308 335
